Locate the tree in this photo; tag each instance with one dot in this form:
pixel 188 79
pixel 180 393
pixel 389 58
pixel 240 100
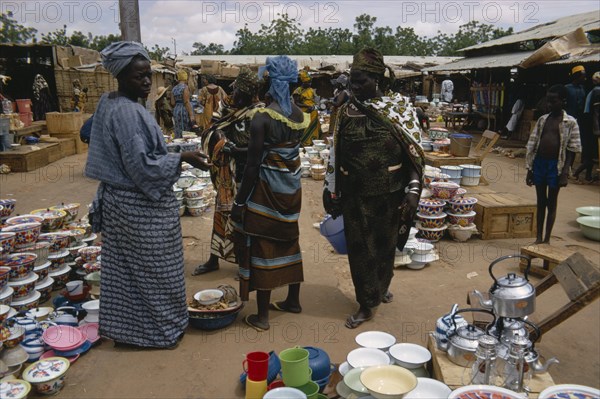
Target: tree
pixel 283 35
pixel 80 39
pixel 363 25
pixel 58 37
pixel 98 43
pixel 211 49
pixel 468 34
pixel 13 32
pixel 409 43
pixel 158 53
pixel 248 42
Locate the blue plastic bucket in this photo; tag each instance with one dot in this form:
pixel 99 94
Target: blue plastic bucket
pixel 452 170
pixel 333 230
pixel 471 170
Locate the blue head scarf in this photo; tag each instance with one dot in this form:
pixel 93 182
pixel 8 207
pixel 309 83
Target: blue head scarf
pixel 282 71
pixel 117 56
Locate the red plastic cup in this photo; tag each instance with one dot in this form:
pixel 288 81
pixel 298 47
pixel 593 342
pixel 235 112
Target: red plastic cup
pixel 276 384
pixel 256 365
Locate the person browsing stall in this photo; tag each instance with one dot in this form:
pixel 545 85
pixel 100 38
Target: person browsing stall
pixel 267 206
pixel 135 209
pixel 226 143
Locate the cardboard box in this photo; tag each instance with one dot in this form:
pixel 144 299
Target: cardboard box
pixel 210 67
pixel 230 71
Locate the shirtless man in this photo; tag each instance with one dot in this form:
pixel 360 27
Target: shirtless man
pixel 550 154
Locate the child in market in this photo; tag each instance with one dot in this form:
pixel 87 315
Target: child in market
pixel 550 154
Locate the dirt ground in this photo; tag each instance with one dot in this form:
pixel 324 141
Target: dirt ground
pixel 208 364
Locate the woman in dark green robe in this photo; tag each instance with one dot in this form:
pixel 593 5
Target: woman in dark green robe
pixel 374 180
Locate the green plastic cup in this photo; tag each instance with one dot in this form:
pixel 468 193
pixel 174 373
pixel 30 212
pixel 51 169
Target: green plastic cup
pixel 294 367
pixel 311 389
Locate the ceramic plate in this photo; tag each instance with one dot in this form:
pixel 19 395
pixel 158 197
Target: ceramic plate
pixel 569 391
pixel 367 357
pixel 51 353
pixel 344 368
pixel 484 391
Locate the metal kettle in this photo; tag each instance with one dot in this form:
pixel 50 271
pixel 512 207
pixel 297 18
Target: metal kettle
pixel 463 341
pixel 511 296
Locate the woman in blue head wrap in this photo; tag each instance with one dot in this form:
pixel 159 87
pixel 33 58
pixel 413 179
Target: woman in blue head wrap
pixel 136 211
pixel 267 206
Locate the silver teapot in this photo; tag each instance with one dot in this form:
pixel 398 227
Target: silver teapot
pixel 511 296
pixel 463 341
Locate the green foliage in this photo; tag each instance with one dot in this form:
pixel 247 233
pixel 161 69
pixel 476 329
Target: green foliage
pixel 100 42
pixel 13 32
pixel 157 53
pixel 58 37
pixel 211 49
pixel 285 36
pixel 468 34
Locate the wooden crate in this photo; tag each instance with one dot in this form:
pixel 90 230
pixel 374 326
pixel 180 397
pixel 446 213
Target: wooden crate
pixel 68 146
pixel 504 215
pixel 27 158
pixel 80 146
pixel 54 153
pixel 63 122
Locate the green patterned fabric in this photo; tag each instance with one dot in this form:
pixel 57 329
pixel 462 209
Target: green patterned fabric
pixel 369 60
pixel 247 81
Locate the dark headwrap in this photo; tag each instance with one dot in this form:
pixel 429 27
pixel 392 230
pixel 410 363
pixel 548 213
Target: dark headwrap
pixel 210 79
pixel 370 60
pixel 118 55
pixel 282 71
pixel 247 81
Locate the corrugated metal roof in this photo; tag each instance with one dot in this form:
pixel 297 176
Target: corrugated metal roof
pixel 487 61
pixel 582 58
pixel 589 21
pixel 341 62
pixel 509 60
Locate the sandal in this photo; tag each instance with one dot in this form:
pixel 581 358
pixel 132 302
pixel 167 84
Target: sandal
pixel 279 306
pixel 252 321
pixel 352 322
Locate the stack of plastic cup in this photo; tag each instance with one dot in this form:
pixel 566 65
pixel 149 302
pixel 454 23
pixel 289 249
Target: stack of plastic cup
pixel 256 365
pixel 296 373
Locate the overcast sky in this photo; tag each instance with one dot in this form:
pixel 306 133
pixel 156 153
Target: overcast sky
pixel 189 21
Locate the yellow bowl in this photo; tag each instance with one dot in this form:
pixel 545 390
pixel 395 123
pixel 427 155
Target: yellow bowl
pixel 388 382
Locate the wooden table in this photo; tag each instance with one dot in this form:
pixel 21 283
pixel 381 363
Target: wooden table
pixel 452 375
pixel 455 117
pixel 551 256
pixel 437 161
pixel 34 129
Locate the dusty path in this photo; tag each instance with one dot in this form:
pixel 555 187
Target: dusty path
pixel 207 365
